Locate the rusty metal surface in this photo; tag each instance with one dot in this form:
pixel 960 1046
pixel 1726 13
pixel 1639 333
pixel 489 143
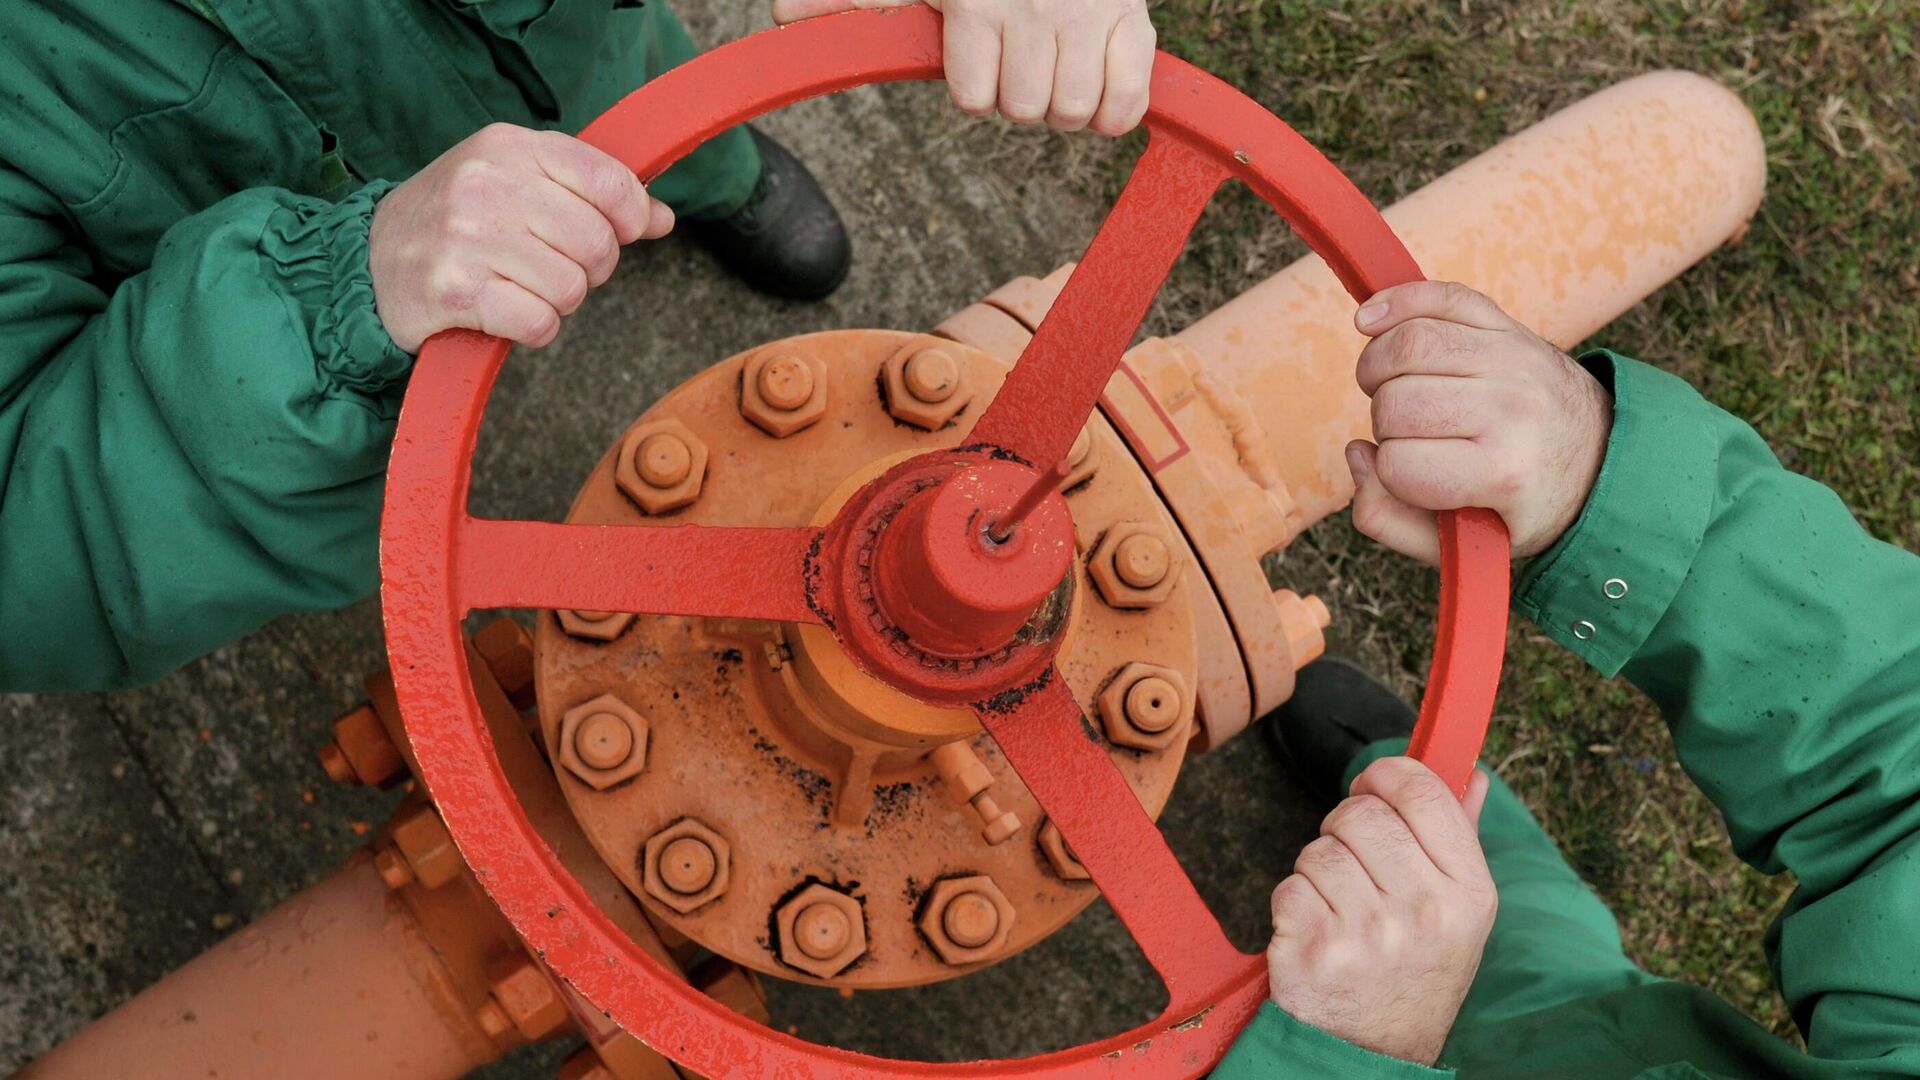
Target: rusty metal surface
pixel 743 742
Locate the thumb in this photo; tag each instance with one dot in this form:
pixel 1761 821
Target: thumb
pixel 1379 514
pixel 1476 799
pixel 787 11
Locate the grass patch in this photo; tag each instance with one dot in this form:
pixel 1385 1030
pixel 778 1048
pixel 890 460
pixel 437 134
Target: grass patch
pixel 1810 329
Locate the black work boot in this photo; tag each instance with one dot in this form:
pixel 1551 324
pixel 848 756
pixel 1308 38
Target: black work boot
pixel 1336 710
pixel 787 240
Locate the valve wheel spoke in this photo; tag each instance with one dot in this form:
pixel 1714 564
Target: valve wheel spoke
pixel 1049 741
pixel 741 573
pixel 1061 374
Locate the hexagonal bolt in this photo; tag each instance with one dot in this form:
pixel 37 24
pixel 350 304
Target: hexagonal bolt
pixel 1060 854
pixel 492 1019
pixel 603 742
pixel 528 999
pixel 685 865
pixel 1135 565
pixel 927 384
pixel 392 868
pixel 1083 460
pixel 507 649
pixel 931 375
pixel 595 625
pixel 783 391
pixel 1146 707
pixel 1305 619
pixel 967 919
pixel 422 851
pixel 661 466
pixel 362 752
pixel 822 930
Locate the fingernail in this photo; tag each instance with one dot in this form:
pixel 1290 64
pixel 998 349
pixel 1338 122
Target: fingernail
pixel 1372 313
pixel 1357 462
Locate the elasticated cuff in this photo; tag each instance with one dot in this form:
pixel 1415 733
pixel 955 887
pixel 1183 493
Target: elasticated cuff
pixel 1604 585
pixel 1277 1044
pixel 323 251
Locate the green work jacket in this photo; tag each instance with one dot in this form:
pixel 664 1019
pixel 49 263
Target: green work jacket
pixel 1782 644
pixel 196 396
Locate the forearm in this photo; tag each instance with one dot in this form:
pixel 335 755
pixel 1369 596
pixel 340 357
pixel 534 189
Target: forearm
pixel 204 453
pixel 1778 638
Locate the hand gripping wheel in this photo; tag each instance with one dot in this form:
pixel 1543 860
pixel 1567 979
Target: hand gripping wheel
pixel 912 584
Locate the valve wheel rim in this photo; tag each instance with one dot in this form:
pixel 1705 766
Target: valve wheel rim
pixel 438 563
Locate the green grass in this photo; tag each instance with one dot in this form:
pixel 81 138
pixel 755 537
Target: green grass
pixel 1810 328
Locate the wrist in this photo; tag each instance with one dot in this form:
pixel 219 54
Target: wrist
pixel 1589 428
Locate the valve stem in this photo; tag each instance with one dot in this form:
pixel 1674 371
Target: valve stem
pixel 1002 531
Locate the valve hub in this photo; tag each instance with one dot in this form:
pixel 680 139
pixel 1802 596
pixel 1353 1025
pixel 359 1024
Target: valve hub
pixel 840 786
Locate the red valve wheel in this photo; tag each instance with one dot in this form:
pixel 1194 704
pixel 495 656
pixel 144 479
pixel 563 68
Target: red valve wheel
pixel 438 563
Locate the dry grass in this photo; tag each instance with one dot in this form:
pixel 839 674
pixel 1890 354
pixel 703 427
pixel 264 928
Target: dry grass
pixel 1810 329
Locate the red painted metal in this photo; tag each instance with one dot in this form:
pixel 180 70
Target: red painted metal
pixel 683 570
pixel 437 562
pixel 952 588
pixel 1064 368
pixel 901 643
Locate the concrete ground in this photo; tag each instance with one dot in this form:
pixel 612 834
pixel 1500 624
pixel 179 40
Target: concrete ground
pixel 138 828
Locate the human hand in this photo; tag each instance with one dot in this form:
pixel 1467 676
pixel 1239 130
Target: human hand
pixel 1470 408
pixel 504 233
pixel 1378 933
pixel 1071 63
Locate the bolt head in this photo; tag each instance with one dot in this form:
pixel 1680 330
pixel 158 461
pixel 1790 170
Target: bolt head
pixel 492 1019
pixel 931 375
pixel 926 382
pixel 1305 619
pixel 528 998
pixel 334 761
pixel 662 459
pixel 1142 560
pixel 1059 855
pixel 587 735
pixel 822 930
pixel 595 625
pixel 422 840
pixel 786 382
pixel 783 391
pixel 603 741
pixel 1146 707
pixel 392 868
pixel 1131 553
pixel 968 920
pixel 1083 459
pixel 1153 704
pixel 686 865
pixel 652 451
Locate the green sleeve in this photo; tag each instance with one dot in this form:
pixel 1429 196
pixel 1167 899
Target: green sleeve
pixel 1277 1045
pixel 1782 643
pixel 191 450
